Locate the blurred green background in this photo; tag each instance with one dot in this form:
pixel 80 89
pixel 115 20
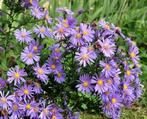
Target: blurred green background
pixel 130 16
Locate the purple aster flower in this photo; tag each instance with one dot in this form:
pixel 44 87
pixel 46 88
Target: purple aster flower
pixel 107 47
pixel 129 73
pixel 29 57
pixel 53 66
pixel 37 88
pixel 2 83
pixel 115 100
pixel 49 32
pixel 127 95
pixel 5 100
pixel 15 110
pixel 133 52
pixel 85 84
pixel 109 68
pixel 35 109
pixel 76 38
pixel 85 56
pixel 37 12
pixel 23 35
pixel 61 32
pixel 88 33
pixel 25 92
pixel 60 76
pixel 34 45
pixel 100 82
pixel 16 75
pixel 56 116
pixel 45 113
pixel 40 31
pixel 41 73
pixel 137 88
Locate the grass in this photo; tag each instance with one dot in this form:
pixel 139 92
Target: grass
pixel 133 113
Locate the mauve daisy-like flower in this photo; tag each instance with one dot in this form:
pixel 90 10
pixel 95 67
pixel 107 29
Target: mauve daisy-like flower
pixel 56 116
pixel 22 35
pixel 109 68
pixel 61 32
pixel 29 57
pixel 107 47
pixel 2 83
pixel 88 33
pixel 60 76
pixel 34 45
pixel 40 31
pixel 37 12
pixel 133 52
pixel 5 100
pixel 41 73
pixel 25 92
pixel 100 84
pixel 85 84
pixel 29 3
pixel 85 56
pixel 16 75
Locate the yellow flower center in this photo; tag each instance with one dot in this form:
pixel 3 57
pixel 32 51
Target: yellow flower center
pixel 54 117
pixel 125 87
pixel 108 67
pixel 46 17
pixel 35 48
pixel 15 107
pixel 109 81
pixel 28 106
pixel 17 75
pixel 26 91
pixel 59 75
pixel 40 71
pixel 23 34
pixel 37 85
pixel 65 24
pixel 30 55
pixel 107 93
pixel 42 30
pixel 78 35
pixel 31 1
pixel 114 100
pixel 61 30
pixel 3 100
pixel 106 46
pixel 128 72
pixel 107 26
pixel 85 84
pixel 85 56
pixel 100 82
pixel 53 66
pixel 85 33
pixel 57 50
pixel 132 54
pixel 45 111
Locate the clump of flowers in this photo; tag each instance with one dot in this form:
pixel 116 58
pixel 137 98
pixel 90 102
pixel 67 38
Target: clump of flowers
pixel 93 54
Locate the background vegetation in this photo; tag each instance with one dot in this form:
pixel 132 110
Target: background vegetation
pixel 129 15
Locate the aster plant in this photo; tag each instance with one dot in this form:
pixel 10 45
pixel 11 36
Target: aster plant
pixel 81 59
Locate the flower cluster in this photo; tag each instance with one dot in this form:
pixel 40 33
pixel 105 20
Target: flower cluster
pixel 104 69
